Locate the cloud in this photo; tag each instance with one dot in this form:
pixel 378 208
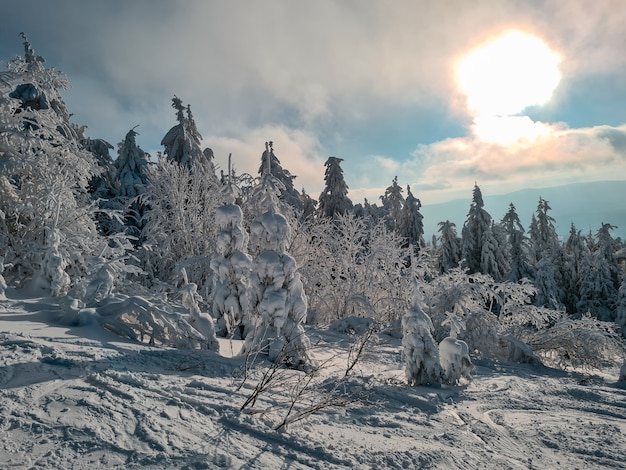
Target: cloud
pixel 560 157
pixel 290 71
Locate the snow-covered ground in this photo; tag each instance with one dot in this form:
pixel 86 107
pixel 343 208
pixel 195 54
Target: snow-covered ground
pixel 82 398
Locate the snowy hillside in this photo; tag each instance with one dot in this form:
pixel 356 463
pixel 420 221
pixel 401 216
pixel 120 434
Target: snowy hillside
pixel 81 397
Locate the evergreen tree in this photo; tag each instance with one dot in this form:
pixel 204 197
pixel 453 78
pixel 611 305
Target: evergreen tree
pixel 411 224
pixel 334 198
pixel 131 181
pixel 492 257
pixel 393 203
pixel 517 245
pixel 279 304
pixel 231 268
pixel 182 142
pixel 131 167
pixel 547 252
pixel 575 252
pixel 420 352
pixel 450 246
pixel 288 194
pixel 548 293
pixel 477 224
pixel 308 205
pixel 543 234
pixel 598 284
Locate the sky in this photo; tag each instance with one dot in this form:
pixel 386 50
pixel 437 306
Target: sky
pixel 373 82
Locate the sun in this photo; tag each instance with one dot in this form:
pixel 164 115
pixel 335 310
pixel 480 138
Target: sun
pixel 505 76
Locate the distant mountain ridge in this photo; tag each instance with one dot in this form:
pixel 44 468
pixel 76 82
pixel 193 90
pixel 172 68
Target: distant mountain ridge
pixel 588 205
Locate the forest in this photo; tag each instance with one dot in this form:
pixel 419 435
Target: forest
pixel 167 251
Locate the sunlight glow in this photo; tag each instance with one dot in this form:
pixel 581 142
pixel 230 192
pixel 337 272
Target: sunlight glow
pixel 509 130
pixel 501 79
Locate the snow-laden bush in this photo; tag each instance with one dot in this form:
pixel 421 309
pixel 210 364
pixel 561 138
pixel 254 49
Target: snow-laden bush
pixel 3 282
pixel 352 268
pixel 420 351
pixel 455 361
pixel 150 321
pixel 584 342
pixel 201 321
pixel 180 225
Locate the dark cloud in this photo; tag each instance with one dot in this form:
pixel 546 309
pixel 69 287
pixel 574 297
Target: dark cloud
pixel 616 137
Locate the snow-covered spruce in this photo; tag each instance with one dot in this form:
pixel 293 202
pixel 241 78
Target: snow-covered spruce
pixel 231 267
pixel 420 353
pixel 279 304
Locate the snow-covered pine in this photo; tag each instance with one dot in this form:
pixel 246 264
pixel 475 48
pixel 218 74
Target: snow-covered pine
pixel 277 299
pixel 393 202
pixel 493 260
pixel 449 249
pixel 419 349
pixel 477 223
pixel 231 268
pixel 574 252
pixel 411 224
pixel 288 194
pixel 334 198
pixel 548 292
pixel 182 142
pixel 517 246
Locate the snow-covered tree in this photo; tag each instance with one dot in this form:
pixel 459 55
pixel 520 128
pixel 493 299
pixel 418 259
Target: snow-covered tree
pixel 231 268
pixel 420 351
pixel 182 142
pixel 455 360
pixel 493 260
pixel 411 225
pixel 478 222
pixel 288 193
pixel 547 251
pixel 45 178
pixel 548 291
pixel 277 299
pixel 393 202
pixel 543 236
pixel 449 246
pixel 517 244
pixel 131 182
pixel 574 253
pixel 279 304
pixel 334 198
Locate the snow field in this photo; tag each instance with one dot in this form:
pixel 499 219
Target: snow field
pixel 81 397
